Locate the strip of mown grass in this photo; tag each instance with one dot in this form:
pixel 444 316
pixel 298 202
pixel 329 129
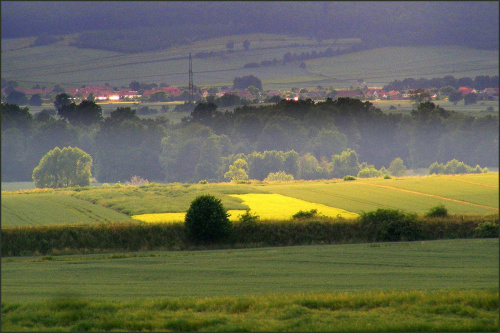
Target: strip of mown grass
pixel 450 310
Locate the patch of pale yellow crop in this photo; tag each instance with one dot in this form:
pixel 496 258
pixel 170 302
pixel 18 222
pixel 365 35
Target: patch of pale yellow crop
pixel 178 217
pixel 277 206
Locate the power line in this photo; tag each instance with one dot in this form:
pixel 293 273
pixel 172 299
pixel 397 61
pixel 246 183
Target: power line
pixel 190 86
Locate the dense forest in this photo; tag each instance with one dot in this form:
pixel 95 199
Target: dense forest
pixel 305 139
pixel 146 26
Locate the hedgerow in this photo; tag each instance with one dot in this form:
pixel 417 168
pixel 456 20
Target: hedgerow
pixel 117 237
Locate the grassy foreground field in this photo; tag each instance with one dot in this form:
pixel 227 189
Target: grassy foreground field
pixel 455 310
pixel 425 265
pixel 449 285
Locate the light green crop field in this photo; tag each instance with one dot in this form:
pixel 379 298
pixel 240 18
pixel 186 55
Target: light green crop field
pixel 380 66
pixel 429 265
pixel 460 194
pixel 63 64
pixel 35 208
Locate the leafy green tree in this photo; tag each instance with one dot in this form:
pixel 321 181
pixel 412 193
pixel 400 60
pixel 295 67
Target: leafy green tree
pixel 420 96
pixel 397 167
pixel 279 176
pixel 62 168
pixel 328 143
pixel 345 164
pixel 62 100
pixel 35 100
pixel 369 172
pixel 17 97
pixel 470 98
pixel 247 81
pixel 210 158
pixel 455 97
pixel 207 220
pixel 308 167
pixel 237 171
pixel 437 211
pixel 159 96
pixel 203 113
pixel 446 91
pixel 13 116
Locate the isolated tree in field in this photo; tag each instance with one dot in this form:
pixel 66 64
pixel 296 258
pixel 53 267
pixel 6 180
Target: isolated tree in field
pixel 397 167
pixel 35 100
pixel 63 168
pixel 455 97
pixel 244 82
pixel 207 220
pixel 62 100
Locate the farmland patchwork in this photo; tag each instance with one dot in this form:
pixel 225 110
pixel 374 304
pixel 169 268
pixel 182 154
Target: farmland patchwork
pixel 267 206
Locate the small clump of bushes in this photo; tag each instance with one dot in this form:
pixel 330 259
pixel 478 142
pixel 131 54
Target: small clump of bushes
pixel 454 167
pixel 391 225
pixel 348 177
pixel 305 214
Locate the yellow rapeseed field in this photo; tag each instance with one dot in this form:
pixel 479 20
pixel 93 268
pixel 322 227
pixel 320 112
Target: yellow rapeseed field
pixel 277 206
pixel 267 206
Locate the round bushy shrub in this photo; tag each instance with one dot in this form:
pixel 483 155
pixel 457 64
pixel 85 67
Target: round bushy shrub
pixel 437 211
pixel 207 220
pixel 349 177
pixel 391 225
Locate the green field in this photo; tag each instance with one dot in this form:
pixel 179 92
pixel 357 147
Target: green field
pixel 446 285
pixel 68 65
pixel 452 310
pixel 427 265
pixel 49 208
pixel 461 194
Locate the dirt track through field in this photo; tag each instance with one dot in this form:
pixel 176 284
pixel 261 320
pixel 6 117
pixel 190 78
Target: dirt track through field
pixel 474 183
pixel 431 195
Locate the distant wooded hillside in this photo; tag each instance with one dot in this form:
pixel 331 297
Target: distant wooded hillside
pixel 143 26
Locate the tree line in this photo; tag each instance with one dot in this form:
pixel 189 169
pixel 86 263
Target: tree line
pixel 480 82
pixel 305 139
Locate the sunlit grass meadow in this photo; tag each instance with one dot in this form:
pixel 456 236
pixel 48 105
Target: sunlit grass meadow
pixel 448 285
pixel 408 311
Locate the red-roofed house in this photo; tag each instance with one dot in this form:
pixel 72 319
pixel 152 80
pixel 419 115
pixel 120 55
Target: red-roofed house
pixel 466 90
pixel 347 93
